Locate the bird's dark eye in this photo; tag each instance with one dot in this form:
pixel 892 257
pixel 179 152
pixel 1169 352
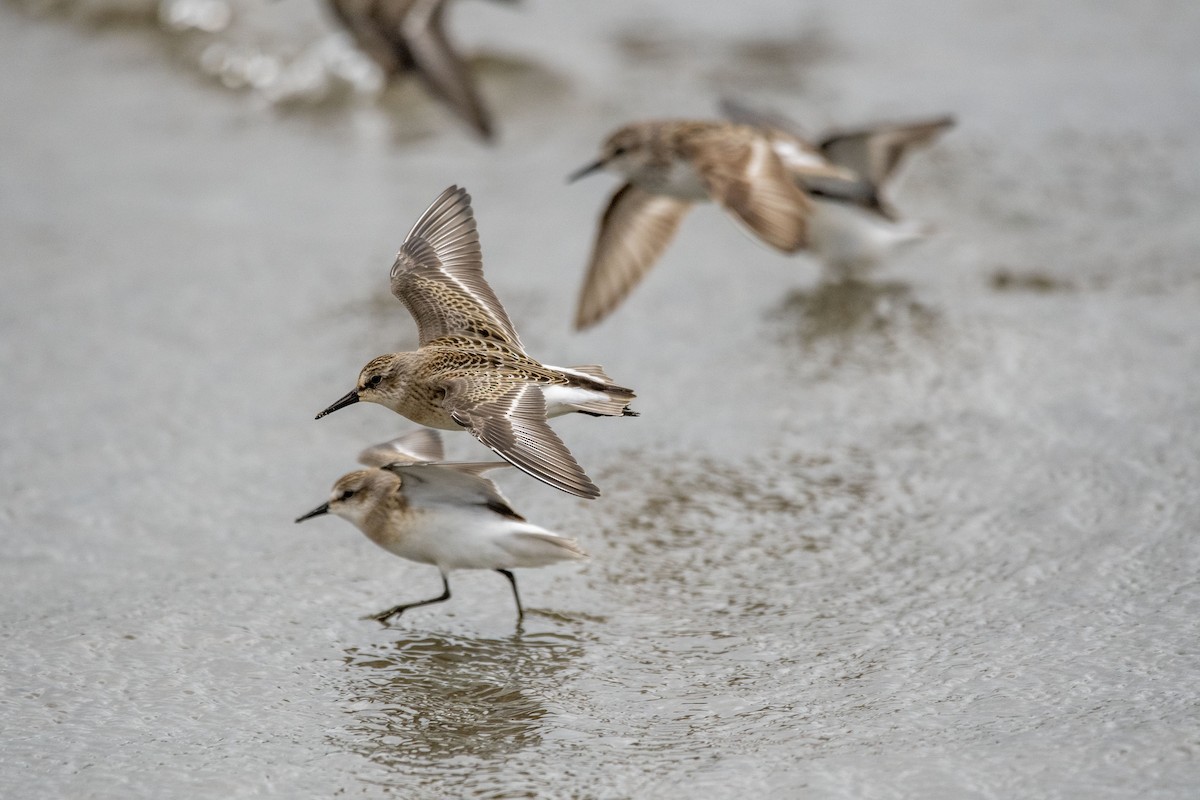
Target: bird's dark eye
pixel 346 495
pixel 374 381
pixel 619 151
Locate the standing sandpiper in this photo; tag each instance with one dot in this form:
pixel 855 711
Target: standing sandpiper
pixel 853 226
pixel 669 166
pixel 471 371
pixel 404 36
pixel 440 513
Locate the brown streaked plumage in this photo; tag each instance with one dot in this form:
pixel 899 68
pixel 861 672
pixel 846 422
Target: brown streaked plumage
pixel 636 228
pixel 669 165
pixel 471 371
pixel 854 226
pixel 871 155
pixel 441 513
pixel 404 36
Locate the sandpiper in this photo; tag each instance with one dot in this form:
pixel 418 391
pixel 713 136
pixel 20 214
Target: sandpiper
pixel 471 371
pixel 404 36
pixel 825 198
pixel 670 165
pixel 853 226
pixel 441 513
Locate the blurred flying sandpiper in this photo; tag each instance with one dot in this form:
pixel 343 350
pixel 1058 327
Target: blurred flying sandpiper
pixel 791 194
pixel 670 165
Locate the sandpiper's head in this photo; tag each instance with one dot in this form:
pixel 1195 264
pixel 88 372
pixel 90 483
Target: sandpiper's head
pixel 356 495
pixel 381 381
pixel 625 152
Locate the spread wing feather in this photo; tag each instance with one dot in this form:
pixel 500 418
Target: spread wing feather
pixel 438 276
pixel 423 444
pixel 634 231
pixel 742 173
pixel 514 426
pixel 452 484
pixel 876 152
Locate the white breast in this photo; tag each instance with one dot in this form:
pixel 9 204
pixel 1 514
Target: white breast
pixel 679 179
pixel 474 538
pixel 851 240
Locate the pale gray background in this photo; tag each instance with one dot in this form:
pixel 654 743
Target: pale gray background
pixel 932 538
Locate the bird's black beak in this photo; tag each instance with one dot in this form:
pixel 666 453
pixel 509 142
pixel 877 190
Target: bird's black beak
pixel 316 512
pixel 349 399
pixel 595 166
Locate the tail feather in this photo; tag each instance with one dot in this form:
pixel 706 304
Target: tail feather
pixel 618 407
pixel 615 402
pixel 537 548
pixel 593 371
pixel 593 378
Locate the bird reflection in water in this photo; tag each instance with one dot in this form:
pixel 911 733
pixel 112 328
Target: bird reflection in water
pixel 422 699
pixel 846 311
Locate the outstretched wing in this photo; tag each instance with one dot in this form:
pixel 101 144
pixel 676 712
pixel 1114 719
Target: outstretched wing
pixel 803 159
pixel 634 231
pixel 735 110
pixel 453 484
pixel 438 275
pixel 742 173
pixel 876 152
pixel 513 424
pixel 423 444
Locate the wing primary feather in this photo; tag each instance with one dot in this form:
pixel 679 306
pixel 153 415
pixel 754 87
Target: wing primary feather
pixel 634 231
pixel 514 427
pixel 438 276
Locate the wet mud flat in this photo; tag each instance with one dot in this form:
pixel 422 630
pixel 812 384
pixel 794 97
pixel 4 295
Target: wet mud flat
pixel 927 535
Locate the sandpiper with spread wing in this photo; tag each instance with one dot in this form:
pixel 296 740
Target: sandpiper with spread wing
pixel 446 514
pixel 471 371
pixel 668 166
pixel 784 190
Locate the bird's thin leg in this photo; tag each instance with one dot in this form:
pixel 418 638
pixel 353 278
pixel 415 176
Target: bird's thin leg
pixel 516 596
pixel 384 616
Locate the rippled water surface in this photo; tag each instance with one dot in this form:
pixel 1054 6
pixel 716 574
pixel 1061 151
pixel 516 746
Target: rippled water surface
pixel 929 536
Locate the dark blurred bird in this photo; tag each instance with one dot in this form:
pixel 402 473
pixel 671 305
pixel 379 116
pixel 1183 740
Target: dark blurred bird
pixel 405 36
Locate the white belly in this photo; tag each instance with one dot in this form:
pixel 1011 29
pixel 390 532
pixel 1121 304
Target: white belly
pixel 468 538
pixel 567 399
pixel 851 241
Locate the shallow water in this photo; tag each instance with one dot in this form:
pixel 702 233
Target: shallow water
pixel 931 536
